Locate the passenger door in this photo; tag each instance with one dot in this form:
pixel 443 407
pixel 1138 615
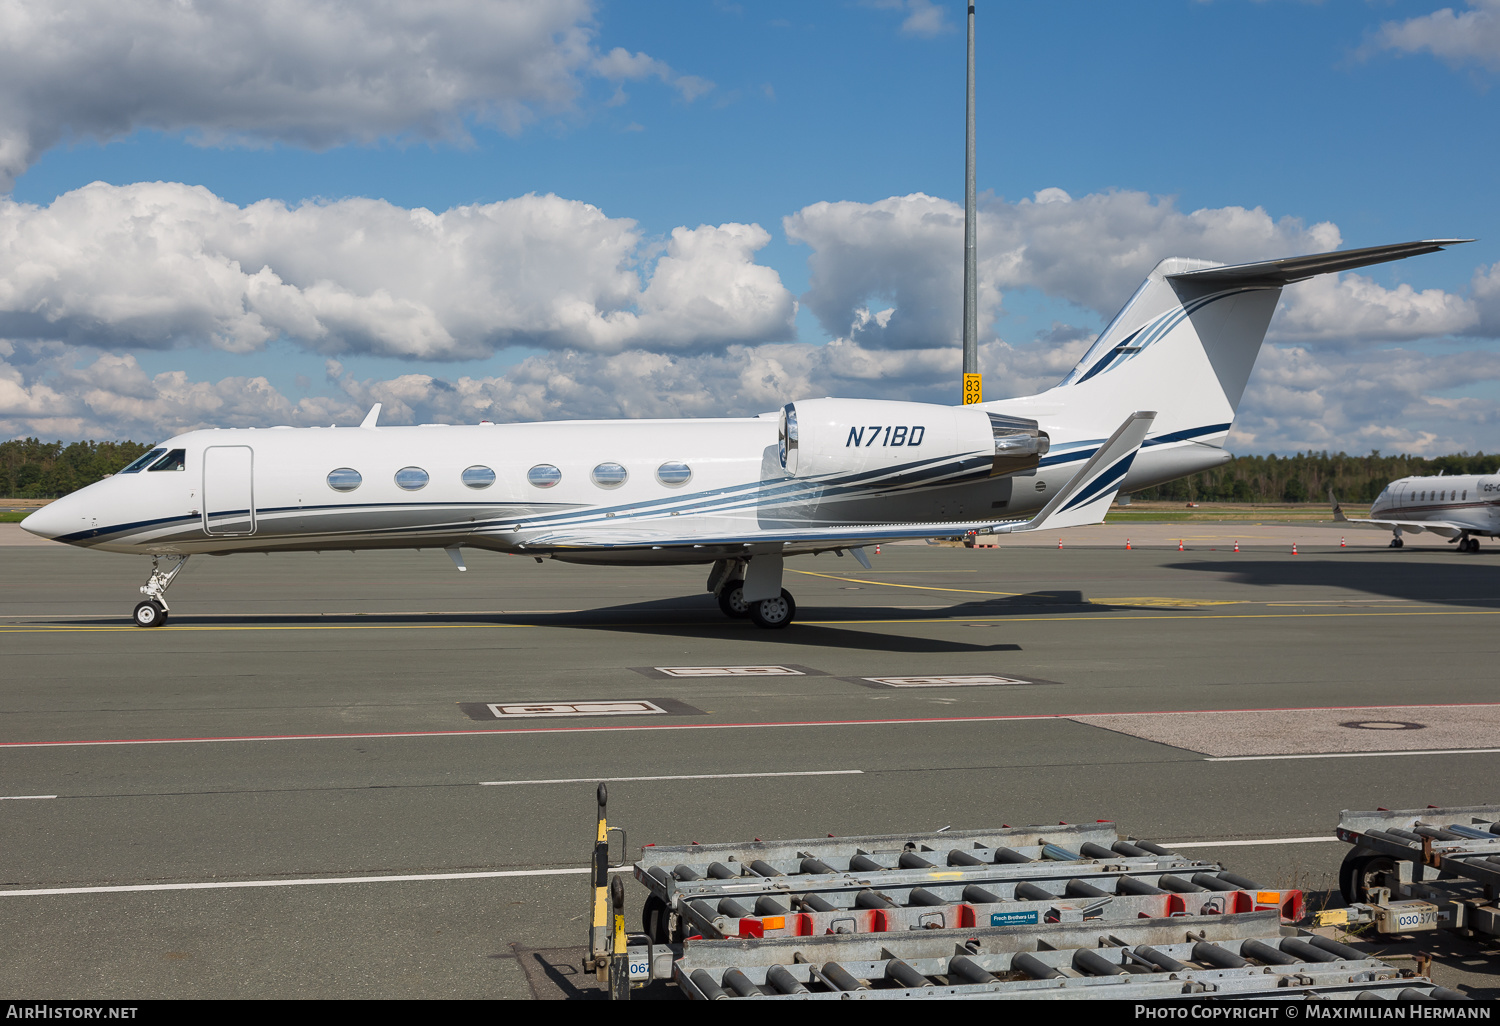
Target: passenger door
pixel 228 490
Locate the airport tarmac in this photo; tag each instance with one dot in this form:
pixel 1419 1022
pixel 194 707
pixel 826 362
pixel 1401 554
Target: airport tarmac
pixel 368 775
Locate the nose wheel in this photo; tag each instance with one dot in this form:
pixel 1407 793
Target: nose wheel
pixel 149 614
pixel 153 612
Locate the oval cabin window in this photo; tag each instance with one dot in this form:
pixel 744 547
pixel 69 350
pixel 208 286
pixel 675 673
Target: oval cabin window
pixel 344 479
pixel 544 475
pixel 609 475
pixel 411 478
pixel 478 477
pixel 674 472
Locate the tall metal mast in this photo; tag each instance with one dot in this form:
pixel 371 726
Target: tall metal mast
pixel 973 380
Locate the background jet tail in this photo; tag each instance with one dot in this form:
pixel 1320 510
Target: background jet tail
pixel 1086 498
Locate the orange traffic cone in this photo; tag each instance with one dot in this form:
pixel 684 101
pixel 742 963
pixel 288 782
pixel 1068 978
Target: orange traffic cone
pixel 1341 542
pixel 1294 548
pixel 1179 544
pixel 1236 545
pixel 877 550
pixel 1127 544
pixel 1059 543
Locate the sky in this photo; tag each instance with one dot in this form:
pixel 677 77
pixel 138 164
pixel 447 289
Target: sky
pixel 222 214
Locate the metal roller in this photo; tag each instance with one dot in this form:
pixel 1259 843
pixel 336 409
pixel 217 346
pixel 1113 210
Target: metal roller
pixel 760 867
pixel 816 867
pixel 1267 955
pixel 1079 889
pixel 1166 963
pixel 1031 892
pixel 1410 835
pixel 1344 951
pixel 911 860
pixel 1149 848
pixel 1010 855
pixel 1180 886
pixel 780 977
pixel 1212 882
pixel 964 858
pixel 864 864
pixel 868 898
pixel 1211 954
pixel 1437 833
pixel 686 873
pixel 1130 851
pixel 904 974
pixel 1386 835
pixel 738 982
pixel 1027 963
pixel 1095 851
pixel 719 871
pixel 963 969
pixel 979 896
pixel 1239 881
pixel 768 906
pixel 1091 963
pixel 1135 885
pixel 1306 952
pixel 730 907
pixel 816 903
pixel 707 987
pixel 1057 853
pixel 922 896
pixel 842 978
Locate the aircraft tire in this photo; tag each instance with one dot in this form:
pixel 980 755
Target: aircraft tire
pixel 776 613
pixel 149 614
pixel 732 600
pixel 1473 544
pixel 1397 543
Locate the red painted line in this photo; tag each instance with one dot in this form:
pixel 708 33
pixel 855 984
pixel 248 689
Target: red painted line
pixel 718 726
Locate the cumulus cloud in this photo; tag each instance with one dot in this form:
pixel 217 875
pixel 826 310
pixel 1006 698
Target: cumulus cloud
pixel 923 17
pixel 157 265
pixel 889 273
pixel 315 73
pixel 1464 37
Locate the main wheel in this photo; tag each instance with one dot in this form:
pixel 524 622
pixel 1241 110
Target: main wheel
pixel 732 600
pixel 774 613
pixel 1362 870
pixel 149 614
pixel 1473 544
pixel 1396 543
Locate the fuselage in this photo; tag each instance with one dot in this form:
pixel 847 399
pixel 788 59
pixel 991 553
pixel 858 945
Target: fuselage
pixel 495 486
pixel 1469 501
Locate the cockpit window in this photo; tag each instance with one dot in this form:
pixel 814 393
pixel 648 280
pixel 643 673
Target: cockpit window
pixel 174 460
pixel 143 462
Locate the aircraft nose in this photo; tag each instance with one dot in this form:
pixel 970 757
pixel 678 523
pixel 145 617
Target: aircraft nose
pixel 52 520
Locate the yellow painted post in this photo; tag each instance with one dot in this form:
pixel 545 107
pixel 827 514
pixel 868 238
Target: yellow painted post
pixel 600 935
pixel 973 388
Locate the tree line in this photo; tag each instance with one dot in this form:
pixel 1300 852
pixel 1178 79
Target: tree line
pixel 33 469
pixel 1306 477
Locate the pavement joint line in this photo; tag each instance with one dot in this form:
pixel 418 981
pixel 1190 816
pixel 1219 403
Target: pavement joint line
pixel 1246 844
pixel 689 776
pixel 218 885
pixel 895 721
pixel 1185 614
pixel 1353 755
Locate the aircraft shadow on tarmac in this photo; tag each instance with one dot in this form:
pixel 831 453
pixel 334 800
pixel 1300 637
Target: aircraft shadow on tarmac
pixel 1464 582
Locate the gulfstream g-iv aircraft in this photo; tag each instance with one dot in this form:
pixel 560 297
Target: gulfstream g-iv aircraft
pixel 1462 509
pixel 739 494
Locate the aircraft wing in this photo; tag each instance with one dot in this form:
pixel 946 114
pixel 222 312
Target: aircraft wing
pixel 1442 528
pixel 1083 500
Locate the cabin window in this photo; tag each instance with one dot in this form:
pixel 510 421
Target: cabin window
pixel 478 477
pixel 411 478
pixel 174 460
pixel 674 472
pixel 544 475
pixel 143 462
pixel 344 479
pixel 609 475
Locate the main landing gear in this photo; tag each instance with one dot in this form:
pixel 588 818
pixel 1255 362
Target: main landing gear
pixel 1468 544
pixel 1396 542
pixel 153 612
pixel 727 582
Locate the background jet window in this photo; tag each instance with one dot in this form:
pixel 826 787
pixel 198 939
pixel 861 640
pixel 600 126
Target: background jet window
pixel 174 460
pixel 674 472
pixel 544 475
pixel 411 478
pixel 344 479
pixel 478 477
pixel 143 462
pixel 609 475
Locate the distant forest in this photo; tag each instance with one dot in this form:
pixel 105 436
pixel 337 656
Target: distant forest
pixel 1306 477
pixel 33 469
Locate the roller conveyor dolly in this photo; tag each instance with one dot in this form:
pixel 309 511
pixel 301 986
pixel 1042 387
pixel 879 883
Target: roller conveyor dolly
pixel 1413 870
pixel 1011 875
pixel 1221 957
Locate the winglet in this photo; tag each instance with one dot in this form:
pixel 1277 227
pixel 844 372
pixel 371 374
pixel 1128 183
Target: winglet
pixel 371 417
pixel 1086 498
pixel 1338 511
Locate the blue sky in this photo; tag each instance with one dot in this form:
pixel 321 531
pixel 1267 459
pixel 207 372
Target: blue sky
pixel 1375 121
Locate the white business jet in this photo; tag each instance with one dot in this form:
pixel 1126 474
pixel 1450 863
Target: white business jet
pixel 741 494
pixel 1462 509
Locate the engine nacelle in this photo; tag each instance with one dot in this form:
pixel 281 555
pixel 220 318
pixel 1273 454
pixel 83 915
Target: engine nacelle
pixel 843 436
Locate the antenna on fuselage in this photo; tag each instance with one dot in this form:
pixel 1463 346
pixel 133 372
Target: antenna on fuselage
pixel 973 390
pixel 371 417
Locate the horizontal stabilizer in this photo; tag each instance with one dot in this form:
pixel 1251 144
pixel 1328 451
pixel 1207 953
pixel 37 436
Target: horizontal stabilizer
pixel 1290 269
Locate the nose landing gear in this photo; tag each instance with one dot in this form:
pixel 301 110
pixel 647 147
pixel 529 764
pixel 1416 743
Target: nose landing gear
pixel 153 612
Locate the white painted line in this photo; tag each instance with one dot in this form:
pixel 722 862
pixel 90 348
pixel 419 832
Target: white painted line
pixel 1244 844
pixel 728 671
pixel 1354 755
pixel 523 710
pixel 693 776
pixel 24 797
pixel 233 884
pixel 961 681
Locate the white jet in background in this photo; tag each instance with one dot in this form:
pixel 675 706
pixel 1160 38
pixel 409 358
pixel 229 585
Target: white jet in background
pixel 741 494
pixel 1462 509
